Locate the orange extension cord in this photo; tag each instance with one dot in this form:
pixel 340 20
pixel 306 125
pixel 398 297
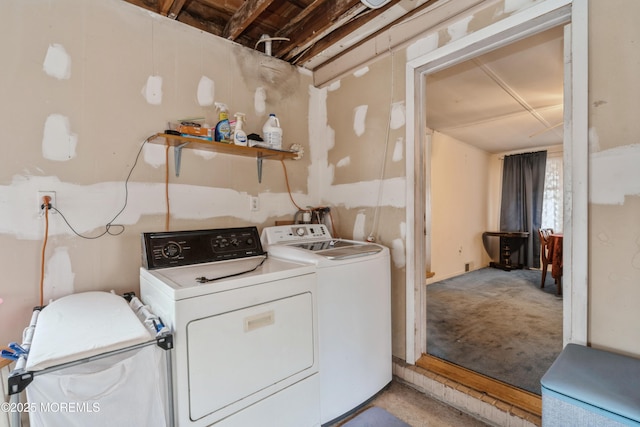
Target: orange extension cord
pixel 166 187
pixel 46 200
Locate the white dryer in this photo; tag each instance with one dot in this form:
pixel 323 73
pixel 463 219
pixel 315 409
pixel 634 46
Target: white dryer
pixel 354 312
pixel 245 328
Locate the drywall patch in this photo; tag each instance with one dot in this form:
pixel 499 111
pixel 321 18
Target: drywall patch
pixel 334 86
pixel 346 161
pixel 359 118
pixel 58 142
pixel 154 155
pixel 57 62
pixel 398 115
pixel 423 46
pixel 459 29
pixel 361 72
pixel 514 5
pixel 358 226
pixel 398 150
pixel 260 101
pixel 615 175
pixel 397 253
pixel 20 218
pixel 365 194
pixel 321 140
pixel 58 277
pixel 206 91
pixel 152 91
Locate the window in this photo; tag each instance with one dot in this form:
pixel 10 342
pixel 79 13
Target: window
pixel 552 203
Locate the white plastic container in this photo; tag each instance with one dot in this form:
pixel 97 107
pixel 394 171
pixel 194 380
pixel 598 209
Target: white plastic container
pixel 272 132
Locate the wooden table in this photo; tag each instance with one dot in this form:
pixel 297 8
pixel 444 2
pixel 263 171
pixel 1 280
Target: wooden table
pixel 555 256
pixel 508 239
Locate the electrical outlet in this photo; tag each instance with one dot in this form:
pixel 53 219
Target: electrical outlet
pixel 254 203
pixel 40 200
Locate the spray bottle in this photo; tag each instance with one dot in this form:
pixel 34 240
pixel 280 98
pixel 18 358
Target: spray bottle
pixel 239 135
pixel 223 128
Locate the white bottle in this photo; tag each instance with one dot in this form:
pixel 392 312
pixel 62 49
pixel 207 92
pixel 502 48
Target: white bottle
pixel 239 135
pixel 272 133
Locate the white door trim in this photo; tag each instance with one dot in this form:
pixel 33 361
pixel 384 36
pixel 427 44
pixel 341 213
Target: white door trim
pixel 542 16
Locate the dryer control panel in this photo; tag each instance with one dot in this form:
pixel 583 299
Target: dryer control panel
pixel 178 248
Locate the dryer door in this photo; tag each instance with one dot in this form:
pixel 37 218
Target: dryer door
pixel 241 356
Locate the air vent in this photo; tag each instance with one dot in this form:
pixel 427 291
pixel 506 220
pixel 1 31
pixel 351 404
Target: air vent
pixel 374 4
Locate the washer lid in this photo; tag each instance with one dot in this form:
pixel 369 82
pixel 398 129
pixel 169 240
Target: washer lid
pixel 339 249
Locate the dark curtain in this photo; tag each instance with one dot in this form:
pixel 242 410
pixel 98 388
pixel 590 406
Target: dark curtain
pixel 522 195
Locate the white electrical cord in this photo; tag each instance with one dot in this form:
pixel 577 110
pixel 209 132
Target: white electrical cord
pixel 374 227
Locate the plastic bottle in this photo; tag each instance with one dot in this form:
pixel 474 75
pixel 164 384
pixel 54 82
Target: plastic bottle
pixel 272 133
pixel 223 128
pixel 239 135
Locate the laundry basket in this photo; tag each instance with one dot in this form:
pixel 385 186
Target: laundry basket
pixel 95 359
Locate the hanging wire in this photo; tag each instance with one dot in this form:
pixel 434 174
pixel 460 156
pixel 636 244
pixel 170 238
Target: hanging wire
pixel 110 224
pixel 376 213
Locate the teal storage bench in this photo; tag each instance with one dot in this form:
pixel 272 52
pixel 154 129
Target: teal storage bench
pixel 590 387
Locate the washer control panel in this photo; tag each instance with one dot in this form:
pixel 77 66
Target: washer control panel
pixel 294 233
pixel 177 248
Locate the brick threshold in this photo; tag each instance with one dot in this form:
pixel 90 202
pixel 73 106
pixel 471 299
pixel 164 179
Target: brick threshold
pixel 477 403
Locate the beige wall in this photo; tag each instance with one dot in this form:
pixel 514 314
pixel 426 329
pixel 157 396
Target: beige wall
pixel 614 176
pixel 366 166
pixel 460 206
pixel 75 121
pixel 614 226
pixel 75 112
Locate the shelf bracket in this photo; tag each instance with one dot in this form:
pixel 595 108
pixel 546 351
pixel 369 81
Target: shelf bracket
pixel 259 158
pixel 177 154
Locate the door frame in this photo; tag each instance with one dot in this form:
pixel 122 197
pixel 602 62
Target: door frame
pixel 537 18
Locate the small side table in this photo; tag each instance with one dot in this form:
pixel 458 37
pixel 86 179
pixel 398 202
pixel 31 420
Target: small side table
pixel 508 240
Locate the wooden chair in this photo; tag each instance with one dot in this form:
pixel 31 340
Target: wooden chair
pixel 544 251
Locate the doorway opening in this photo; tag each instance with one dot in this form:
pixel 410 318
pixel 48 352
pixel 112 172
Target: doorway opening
pixel 509 101
pixel 531 21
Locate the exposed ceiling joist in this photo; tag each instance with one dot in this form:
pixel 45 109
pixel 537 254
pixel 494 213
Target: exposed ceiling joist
pixel 171 8
pixel 245 16
pixel 310 30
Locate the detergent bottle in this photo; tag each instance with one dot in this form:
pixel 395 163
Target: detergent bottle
pixel 272 133
pixel 223 128
pixel 239 135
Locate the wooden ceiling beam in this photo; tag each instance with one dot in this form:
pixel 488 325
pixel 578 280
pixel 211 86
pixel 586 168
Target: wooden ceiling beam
pixel 292 25
pixel 307 31
pixel 331 39
pixel 170 8
pixel 244 17
pixel 342 32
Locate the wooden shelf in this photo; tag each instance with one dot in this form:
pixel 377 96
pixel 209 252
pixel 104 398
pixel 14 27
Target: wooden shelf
pixel 221 147
pixel 260 153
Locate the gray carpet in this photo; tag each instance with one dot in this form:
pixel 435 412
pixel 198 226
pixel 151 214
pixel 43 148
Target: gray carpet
pixel 498 323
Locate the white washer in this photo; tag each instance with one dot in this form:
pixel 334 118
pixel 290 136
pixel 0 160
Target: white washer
pixel 354 312
pixel 245 328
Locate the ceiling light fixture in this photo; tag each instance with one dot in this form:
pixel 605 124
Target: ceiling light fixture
pixel 375 4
